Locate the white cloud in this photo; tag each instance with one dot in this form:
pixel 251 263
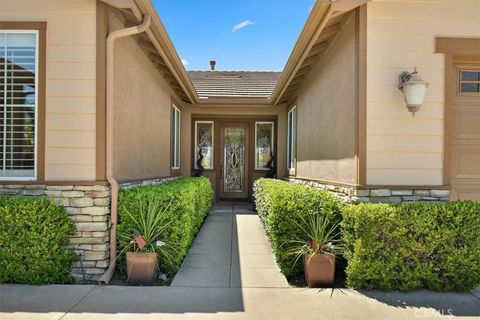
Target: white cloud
pixel 242 25
pixel 185 62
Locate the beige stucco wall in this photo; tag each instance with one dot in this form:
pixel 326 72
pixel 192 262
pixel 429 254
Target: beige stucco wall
pixel 70 87
pixel 402 150
pixel 142 113
pixel 326 114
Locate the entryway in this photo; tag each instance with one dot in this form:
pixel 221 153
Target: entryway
pixel 230 251
pixel 233 153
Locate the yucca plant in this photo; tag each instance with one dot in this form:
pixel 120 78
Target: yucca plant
pixel 146 238
pixel 319 247
pixel 321 236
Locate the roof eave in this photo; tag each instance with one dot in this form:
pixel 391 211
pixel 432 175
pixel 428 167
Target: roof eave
pixel 321 12
pixel 234 101
pixel 319 16
pixel 158 36
pixel 167 50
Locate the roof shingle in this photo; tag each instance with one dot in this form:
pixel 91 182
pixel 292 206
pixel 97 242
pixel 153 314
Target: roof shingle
pixel 243 84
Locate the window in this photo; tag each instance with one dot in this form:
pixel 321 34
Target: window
pixel 263 145
pixel 470 81
pixel 292 140
pixel 204 144
pixel 175 137
pixel 18 103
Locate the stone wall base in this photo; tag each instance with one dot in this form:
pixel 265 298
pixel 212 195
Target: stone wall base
pixel 355 195
pixel 89 208
pixel 146 182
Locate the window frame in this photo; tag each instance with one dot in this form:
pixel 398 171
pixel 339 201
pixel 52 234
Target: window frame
pixel 196 143
pixel 460 81
pixel 292 117
pixel 173 136
pixel 273 143
pixel 39 32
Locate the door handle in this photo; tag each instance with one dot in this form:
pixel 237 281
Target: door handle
pixel 221 172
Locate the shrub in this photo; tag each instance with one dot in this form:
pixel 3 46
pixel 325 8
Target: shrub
pixel 33 237
pixel 413 245
pixel 191 199
pixel 279 203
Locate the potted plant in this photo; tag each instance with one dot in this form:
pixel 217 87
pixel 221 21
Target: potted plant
pixel 144 242
pixel 319 249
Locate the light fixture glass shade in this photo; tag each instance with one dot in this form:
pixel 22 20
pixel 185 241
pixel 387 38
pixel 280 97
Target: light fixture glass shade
pixel 414 93
pixel 414 90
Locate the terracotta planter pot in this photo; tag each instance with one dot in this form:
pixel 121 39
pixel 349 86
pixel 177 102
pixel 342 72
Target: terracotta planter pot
pixel 319 270
pixel 141 268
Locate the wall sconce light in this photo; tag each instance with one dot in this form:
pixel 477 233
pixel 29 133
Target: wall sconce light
pixel 414 89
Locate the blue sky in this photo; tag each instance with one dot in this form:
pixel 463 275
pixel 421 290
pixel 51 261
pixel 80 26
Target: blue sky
pixel 265 32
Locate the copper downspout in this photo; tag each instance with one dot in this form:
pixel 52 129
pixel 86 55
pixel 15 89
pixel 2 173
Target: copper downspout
pixel 112 37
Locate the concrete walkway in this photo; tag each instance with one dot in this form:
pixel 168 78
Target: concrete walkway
pixel 75 302
pixel 230 251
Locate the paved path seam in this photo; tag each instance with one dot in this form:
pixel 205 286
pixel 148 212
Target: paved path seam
pixel 78 302
pixel 231 247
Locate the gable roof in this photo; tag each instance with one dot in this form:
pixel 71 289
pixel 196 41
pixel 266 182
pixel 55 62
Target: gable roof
pixel 239 84
pixel 272 88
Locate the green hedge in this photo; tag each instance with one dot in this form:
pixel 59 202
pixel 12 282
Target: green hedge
pixel 278 203
pixel 33 237
pixel 413 245
pixel 192 199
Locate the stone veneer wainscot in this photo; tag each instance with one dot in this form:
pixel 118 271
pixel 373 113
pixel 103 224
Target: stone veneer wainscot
pixel 148 182
pixel 356 195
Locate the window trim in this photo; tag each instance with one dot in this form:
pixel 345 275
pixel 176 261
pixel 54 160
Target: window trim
pixel 173 141
pixel 39 28
pixel 292 154
pixel 195 144
pixel 273 142
pixel 459 81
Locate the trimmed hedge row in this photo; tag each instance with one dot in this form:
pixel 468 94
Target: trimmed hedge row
pixel 278 204
pixel 33 237
pixel 191 199
pixel 413 245
pixel 403 247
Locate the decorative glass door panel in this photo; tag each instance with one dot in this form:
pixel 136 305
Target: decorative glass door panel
pixel 204 144
pixel 234 153
pixel 233 177
pixel 264 145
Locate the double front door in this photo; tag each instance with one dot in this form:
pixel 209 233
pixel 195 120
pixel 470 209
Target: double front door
pixel 234 153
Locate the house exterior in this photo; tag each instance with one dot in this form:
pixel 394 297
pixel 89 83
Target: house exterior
pixel 94 97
